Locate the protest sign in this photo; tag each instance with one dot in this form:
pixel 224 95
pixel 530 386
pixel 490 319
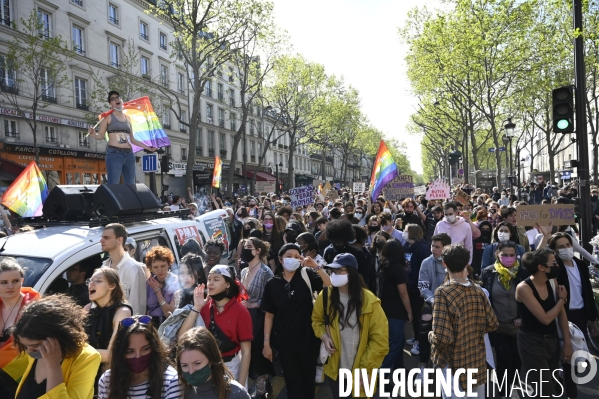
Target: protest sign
pixel 461 197
pixel 420 190
pixel 558 214
pixel 399 188
pixel 438 190
pixel 359 187
pixel 317 182
pixel 301 196
pixel 266 186
pixel 333 194
pixel 327 186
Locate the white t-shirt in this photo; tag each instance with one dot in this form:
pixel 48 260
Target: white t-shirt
pixel 175 207
pixel 171 389
pixel 576 301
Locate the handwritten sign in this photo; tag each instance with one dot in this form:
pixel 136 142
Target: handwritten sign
pixel 301 196
pixel 558 214
pixel 462 197
pixel 399 188
pixel 333 194
pixel 359 187
pixel 420 190
pixel 266 186
pixel 438 190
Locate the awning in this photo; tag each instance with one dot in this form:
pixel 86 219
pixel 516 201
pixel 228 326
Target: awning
pixel 9 170
pixel 261 176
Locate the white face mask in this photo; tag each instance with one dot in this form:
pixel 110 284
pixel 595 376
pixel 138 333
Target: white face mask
pixel 291 264
pixel 451 219
pixel 339 280
pixel 566 253
pixel 405 235
pixel 358 215
pixel 503 236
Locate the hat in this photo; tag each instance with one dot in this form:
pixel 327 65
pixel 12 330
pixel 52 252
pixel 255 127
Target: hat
pixel 222 270
pixel 295 226
pixel 131 241
pixel 193 203
pixel 287 247
pixel 342 260
pixel 111 92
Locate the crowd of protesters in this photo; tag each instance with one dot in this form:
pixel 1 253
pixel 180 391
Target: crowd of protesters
pixel 316 288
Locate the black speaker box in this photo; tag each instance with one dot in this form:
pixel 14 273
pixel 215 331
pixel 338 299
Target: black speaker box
pixel 124 200
pixel 72 202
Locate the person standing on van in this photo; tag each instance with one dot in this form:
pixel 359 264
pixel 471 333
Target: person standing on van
pixel 131 273
pixel 119 154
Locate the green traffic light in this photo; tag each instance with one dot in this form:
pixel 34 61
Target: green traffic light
pixel 563 124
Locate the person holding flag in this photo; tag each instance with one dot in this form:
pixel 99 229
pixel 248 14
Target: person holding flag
pixel 119 151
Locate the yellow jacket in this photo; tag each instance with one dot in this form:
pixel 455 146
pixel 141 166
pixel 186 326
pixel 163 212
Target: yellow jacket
pixel 374 335
pixel 79 376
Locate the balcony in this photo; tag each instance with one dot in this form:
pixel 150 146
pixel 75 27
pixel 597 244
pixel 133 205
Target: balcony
pixel 281 146
pixel 209 120
pixel 163 47
pixel 208 92
pixel 183 157
pixel 220 97
pixel 78 2
pixel 233 126
pixel 286 147
pixel 231 101
pixel 253 158
pixel 219 73
pixel 113 20
pixel 231 79
pixel 83 143
pixel 211 152
pixel 82 106
pixel 146 76
pixel 182 90
pixel 114 64
pixel 51 139
pixel 45 34
pixel 223 153
pixel 12 135
pixel 9 89
pixel 5 21
pixel 199 151
pixel 221 123
pixel 144 36
pixel 166 126
pixel 50 99
pixel 79 50
pixel 164 82
pixel 182 129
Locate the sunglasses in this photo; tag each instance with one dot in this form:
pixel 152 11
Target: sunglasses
pixel 129 321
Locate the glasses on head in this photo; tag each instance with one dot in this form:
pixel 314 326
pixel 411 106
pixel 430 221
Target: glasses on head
pixel 91 281
pixel 288 289
pixel 115 98
pixel 129 321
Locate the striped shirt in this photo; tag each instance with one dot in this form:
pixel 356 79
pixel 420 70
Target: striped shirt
pixel 171 389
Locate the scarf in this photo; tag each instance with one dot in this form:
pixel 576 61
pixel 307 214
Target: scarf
pixel 506 275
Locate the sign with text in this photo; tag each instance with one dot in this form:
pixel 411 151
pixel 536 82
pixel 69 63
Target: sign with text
pixel 359 187
pixel 301 196
pixel 462 197
pixel 266 186
pixel 420 190
pixel 333 194
pixel 399 188
pixel 187 232
pixel 438 190
pixel 557 214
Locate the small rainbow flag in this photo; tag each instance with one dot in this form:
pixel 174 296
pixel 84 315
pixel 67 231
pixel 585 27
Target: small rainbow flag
pixel 384 170
pixel 144 122
pixel 26 195
pixel 218 167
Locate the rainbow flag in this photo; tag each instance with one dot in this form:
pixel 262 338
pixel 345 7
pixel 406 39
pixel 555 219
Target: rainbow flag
pixel 26 195
pixel 144 122
pixel 384 170
pixel 218 167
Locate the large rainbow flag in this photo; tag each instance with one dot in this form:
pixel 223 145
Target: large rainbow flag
pixel 145 123
pixel 218 167
pixel 384 170
pixel 26 195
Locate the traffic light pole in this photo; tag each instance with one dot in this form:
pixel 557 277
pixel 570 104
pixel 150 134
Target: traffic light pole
pixel 581 131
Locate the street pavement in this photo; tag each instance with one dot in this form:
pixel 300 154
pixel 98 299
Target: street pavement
pixel 587 391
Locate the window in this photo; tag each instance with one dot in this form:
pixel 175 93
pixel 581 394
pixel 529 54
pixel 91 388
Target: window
pixel 10 128
pixel 113 14
pixel 45 23
pixel 221 117
pixel 78 39
pixel 182 127
pixel 251 128
pixel 233 121
pixel 5 12
pixel 209 111
pixel 164 75
pixel 253 150
pixel 210 143
pixel 223 143
pixel 166 119
pixel 145 67
pixel 114 55
pixel 169 151
pixel 208 88
pixel 220 92
pixel 232 97
pixel 143 31
pixel 183 154
pixel 78 2
pixel 259 149
pixel 199 142
pixel 83 139
pixel 180 83
pixel 47 85
pixel 162 41
pixel 81 93
pixel 232 141
pixel 51 136
pixel 8 76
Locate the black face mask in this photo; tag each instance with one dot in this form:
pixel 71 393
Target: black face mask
pixel 554 273
pixel 409 213
pixel 493 210
pixel 373 229
pixel 290 237
pixel 246 232
pixel 247 255
pixel 339 249
pixel 485 233
pixel 220 296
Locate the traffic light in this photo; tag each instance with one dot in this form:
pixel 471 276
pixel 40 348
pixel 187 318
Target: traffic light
pixel 563 110
pixel 164 164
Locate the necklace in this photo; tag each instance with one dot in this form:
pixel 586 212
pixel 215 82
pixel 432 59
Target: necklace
pixel 8 318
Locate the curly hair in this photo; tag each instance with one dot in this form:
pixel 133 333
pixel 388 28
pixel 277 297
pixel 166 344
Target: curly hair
pixel 200 339
pixel 340 230
pixel 55 316
pixel 218 243
pixel 120 375
pixel 159 253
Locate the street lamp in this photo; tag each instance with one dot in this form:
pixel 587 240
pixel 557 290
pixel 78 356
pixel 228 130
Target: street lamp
pixel 510 129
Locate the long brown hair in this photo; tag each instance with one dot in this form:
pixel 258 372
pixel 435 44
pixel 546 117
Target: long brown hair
pixel 202 340
pixel 112 278
pixel 120 375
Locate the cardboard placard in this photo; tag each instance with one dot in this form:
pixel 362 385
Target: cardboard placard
pixel 461 197
pixel 558 214
pixel 266 186
pixel 420 190
pixel 333 194
pixel 399 188
pixel 438 190
pixel 301 196
pixel 359 187
pixel 327 186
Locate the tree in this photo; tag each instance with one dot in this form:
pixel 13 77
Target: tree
pixel 34 68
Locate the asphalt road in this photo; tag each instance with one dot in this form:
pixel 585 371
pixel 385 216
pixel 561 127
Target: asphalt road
pixel 587 391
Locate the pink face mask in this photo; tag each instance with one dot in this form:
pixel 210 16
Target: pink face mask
pixel 507 261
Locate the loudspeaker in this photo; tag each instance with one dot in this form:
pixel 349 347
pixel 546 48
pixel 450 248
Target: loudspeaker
pixel 69 202
pixel 124 200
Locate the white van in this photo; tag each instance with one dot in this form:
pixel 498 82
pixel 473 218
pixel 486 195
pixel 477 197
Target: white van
pixel 48 252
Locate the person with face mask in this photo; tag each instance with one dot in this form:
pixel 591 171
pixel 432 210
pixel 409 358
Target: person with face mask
pixel 455 227
pixel 358 334
pixel 479 244
pixel 287 303
pixel 504 232
pixel 373 227
pixel 201 369
pixel 500 280
pixel 435 216
pixel 50 334
pixel 537 338
pixel 412 214
pixel 580 307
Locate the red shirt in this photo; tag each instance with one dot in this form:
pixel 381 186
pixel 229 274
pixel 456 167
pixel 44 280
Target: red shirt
pixel 234 321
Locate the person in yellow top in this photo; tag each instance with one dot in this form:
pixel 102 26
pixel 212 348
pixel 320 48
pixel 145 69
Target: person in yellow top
pixel 61 363
pixel 358 334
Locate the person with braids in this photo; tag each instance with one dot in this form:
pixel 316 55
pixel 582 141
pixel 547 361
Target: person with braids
pixel 61 363
pixel 139 367
pixel 201 369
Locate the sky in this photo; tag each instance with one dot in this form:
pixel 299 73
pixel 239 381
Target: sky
pixel 359 40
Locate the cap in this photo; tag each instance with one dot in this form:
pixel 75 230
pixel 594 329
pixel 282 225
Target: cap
pixel 287 247
pixel 343 260
pixel 131 241
pixel 222 270
pixel 111 92
pixel 295 226
pixel 193 203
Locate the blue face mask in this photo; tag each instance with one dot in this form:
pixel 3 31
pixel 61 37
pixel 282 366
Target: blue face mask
pixel 35 355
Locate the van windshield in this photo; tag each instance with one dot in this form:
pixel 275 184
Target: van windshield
pixel 34 267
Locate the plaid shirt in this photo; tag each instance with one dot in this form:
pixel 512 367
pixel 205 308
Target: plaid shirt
pixel 461 317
